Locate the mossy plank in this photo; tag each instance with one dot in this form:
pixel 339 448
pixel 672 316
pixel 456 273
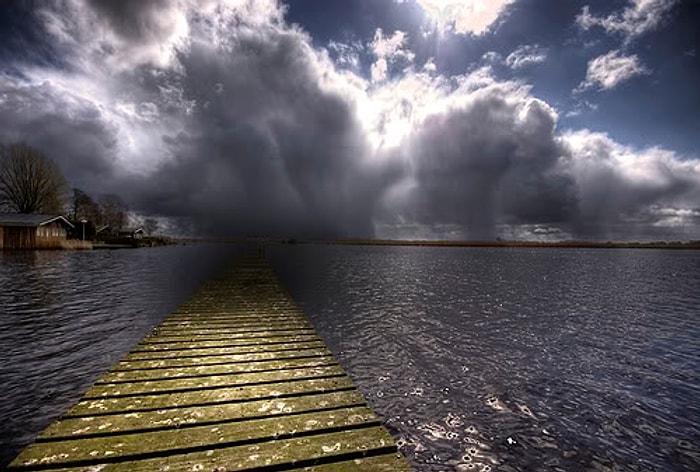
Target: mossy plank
pixel 333 448
pixel 225 343
pixel 194 323
pixel 214 336
pixel 180 417
pixel 215 324
pixel 200 329
pixel 211 360
pixel 233 319
pixel 212 370
pixel 224 351
pixel 239 313
pixel 223 316
pixel 275 305
pixel 171 441
pixel 172 385
pixel 88 407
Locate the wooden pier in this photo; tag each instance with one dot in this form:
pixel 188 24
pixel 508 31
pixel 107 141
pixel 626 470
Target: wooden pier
pixel 235 379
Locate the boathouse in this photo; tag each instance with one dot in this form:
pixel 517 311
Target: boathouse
pixel 131 233
pixel 33 231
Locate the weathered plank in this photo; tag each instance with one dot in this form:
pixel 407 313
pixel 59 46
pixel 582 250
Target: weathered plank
pixel 135 446
pixel 175 385
pixel 181 417
pixel 242 313
pixel 367 449
pixel 226 359
pixel 225 343
pixel 215 336
pixel 115 405
pixel 151 375
pixel 223 351
pixel 194 329
pixel 221 318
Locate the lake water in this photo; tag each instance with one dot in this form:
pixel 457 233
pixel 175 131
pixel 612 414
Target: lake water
pixel 477 358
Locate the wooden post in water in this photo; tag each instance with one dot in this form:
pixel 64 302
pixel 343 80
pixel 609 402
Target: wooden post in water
pixel 235 379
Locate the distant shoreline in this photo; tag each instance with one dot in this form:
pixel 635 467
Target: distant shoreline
pixel 433 243
pixel 553 244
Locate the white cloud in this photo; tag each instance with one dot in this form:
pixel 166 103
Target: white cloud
pixel 346 54
pixel 581 107
pixel 610 70
pixel 639 17
pixel 526 55
pixel 115 35
pixel 620 184
pixel 464 16
pixel 675 217
pixel 491 57
pixel 389 50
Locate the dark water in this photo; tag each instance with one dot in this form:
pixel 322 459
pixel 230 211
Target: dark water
pixel 66 317
pixel 517 359
pixel 478 359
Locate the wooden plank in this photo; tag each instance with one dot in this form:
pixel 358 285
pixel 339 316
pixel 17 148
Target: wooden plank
pixel 193 329
pixel 165 338
pixel 224 351
pixel 133 446
pixel 212 360
pixel 225 343
pixel 238 321
pixel 181 417
pixel 270 307
pixel 345 451
pixel 274 303
pixel 175 385
pixel 241 312
pixel 128 376
pixel 242 393
pixel 220 316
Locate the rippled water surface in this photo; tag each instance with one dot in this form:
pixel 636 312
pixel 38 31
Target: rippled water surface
pixel 517 359
pixel 478 359
pixel 66 317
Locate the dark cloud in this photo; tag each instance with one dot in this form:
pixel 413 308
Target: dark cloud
pixel 74 134
pixel 267 150
pixel 492 161
pixel 135 20
pixel 242 128
pixel 619 186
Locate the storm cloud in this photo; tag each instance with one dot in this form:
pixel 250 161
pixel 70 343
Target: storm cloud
pixel 224 117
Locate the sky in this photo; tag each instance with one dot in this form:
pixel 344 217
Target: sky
pixel 406 119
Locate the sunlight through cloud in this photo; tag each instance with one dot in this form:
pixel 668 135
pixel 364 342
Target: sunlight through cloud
pixel 464 16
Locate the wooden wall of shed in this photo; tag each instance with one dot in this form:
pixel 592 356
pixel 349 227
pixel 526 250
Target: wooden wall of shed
pixel 51 236
pixel 19 237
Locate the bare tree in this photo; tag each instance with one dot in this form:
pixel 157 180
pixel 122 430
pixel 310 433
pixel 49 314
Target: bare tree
pixel 84 207
pixel 113 210
pixel 30 182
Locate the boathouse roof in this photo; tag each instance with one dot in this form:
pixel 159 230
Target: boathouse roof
pixel 31 219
